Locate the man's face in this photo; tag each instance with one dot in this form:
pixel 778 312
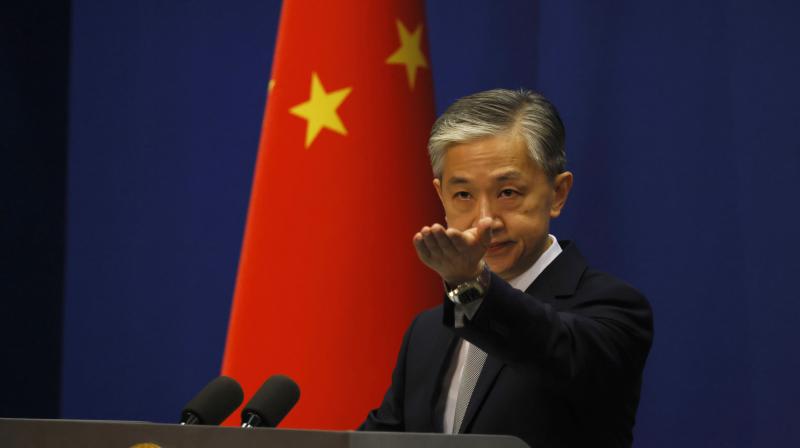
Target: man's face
pixel 495 177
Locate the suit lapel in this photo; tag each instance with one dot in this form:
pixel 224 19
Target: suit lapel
pixel 440 356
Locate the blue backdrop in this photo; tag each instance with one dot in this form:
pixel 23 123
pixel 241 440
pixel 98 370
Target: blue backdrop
pixel 682 133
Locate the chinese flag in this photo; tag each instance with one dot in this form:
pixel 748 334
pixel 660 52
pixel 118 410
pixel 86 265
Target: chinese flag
pixel 328 277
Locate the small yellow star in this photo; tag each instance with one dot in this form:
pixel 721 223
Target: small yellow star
pixel 409 53
pixel 320 110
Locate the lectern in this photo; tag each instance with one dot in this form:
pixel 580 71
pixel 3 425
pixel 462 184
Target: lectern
pixel 27 433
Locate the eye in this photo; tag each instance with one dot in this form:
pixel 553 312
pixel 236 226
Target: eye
pixel 508 193
pixel 462 195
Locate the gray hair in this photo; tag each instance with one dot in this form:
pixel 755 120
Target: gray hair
pixel 501 111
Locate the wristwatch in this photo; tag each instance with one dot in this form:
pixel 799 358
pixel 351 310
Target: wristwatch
pixel 471 290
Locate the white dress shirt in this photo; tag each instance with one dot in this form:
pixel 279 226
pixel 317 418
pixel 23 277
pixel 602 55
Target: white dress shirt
pixel 521 282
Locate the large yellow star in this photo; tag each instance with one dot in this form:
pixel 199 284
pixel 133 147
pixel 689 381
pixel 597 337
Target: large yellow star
pixel 409 53
pixel 320 110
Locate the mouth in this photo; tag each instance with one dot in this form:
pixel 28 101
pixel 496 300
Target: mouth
pixel 497 247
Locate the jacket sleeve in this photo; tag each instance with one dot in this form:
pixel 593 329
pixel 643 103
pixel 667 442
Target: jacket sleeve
pixel 606 328
pixel 389 416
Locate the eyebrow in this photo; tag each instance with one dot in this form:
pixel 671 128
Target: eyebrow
pixel 501 177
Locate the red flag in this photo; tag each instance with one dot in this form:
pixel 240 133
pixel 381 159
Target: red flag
pixel 328 278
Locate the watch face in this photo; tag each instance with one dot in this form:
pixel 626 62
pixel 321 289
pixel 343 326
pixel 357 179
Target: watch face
pixel 470 294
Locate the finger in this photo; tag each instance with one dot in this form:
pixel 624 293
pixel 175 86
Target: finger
pixel 457 239
pixel 430 242
pixel 422 250
pixel 443 240
pixel 484 231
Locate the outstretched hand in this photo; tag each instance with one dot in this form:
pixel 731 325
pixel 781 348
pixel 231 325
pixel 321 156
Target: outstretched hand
pixel 454 254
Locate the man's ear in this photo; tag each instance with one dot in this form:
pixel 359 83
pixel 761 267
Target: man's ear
pixel 562 184
pixel 437 184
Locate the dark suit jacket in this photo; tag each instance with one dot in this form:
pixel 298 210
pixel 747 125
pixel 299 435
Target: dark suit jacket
pixel 564 365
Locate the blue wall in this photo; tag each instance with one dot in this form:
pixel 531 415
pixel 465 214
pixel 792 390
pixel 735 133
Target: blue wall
pixel 681 120
pixel 166 106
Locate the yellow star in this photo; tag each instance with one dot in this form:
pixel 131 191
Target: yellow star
pixel 409 53
pixel 320 110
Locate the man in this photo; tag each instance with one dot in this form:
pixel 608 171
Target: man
pixel 529 341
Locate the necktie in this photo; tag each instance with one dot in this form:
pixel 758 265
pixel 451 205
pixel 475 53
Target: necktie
pixel 469 377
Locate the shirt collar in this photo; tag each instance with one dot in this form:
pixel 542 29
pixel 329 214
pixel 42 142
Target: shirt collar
pixel 526 279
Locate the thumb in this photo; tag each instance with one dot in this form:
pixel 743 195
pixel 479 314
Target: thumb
pixel 484 229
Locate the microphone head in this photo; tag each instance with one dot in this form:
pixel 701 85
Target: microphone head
pixel 214 403
pixel 273 400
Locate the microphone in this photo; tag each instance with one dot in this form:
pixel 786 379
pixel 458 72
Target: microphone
pixel 214 403
pixel 271 402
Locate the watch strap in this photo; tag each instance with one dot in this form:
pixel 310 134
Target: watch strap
pixel 471 290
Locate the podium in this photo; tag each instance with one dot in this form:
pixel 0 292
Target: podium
pixel 30 433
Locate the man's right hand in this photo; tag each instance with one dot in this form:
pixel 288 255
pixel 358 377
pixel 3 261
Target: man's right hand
pixel 454 254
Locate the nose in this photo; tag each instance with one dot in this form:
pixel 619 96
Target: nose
pixel 485 209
